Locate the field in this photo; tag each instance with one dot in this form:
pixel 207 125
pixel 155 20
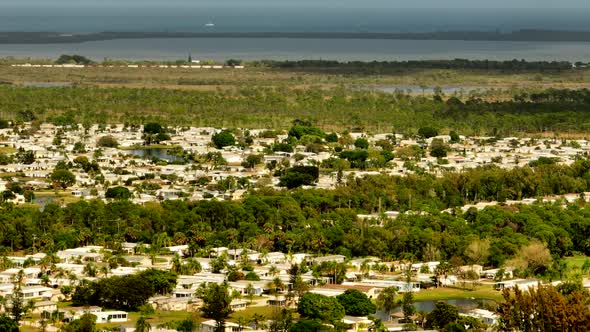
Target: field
pixel 212 79
pixel 263 97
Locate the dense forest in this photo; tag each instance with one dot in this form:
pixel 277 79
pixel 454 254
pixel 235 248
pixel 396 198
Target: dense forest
pixel 334 109
pixel 325 221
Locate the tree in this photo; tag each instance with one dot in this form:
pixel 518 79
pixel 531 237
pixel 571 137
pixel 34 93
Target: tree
pixel 218 263
pixel 408 305
pixel 299 131
pixel 252 276
pixel 361 143
pixel 386 300
pixel 7 324
pixel 73 59
pixel 25 157
pixel 356 303
pixel 297 176
pixel 427 132
pixel 216 304
pixel 324 308
pixel 17 305
pixel 257 320
pixel 128 292
pixel 543 308
pixel 282 320
pixel 63 178
pixel 309 326
pixel 252 160
pixel 118 193
pixel 250 292
pixel 332 138
pixel 438 148
pixel 233 62
pixel 154 133
pixel 153 128
pixel 454 137
pixel 534 257
pixel 142 324
pixel 187 325
pixel 86 323
pixel 442 315
pixel 478 251
pixel 107 142
pixel 276 285
pixel 223 138
pixel 162 282
pixel 79 147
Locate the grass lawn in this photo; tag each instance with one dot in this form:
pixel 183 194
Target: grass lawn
pixel 266 311
pixel 59 196
pixel 574 265
pixel 28 329
pixel 7 150
pixel 576 262
pixel 28 206
pixel 445 293
pixel 157 319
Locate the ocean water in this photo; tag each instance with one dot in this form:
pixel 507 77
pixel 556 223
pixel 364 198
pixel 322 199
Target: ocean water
pixel 220 49
pixel 298 19
pixel 317 19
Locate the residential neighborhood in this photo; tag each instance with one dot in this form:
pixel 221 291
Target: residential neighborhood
pixel 48 281
pixel 188 166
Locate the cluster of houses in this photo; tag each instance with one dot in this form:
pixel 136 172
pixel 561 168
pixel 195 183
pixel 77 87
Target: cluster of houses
pixel 44 283
pixel 225 175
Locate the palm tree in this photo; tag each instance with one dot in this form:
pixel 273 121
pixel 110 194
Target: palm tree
pixel 105 270
pixel 242 321
pixel 386 300
pixel 192 266
pixel 142 325
pixel 421 317
pixel 273 270
pixel 275 285
pixel 45 280
pixel 90 270
pixel 257 319
pixel 176 264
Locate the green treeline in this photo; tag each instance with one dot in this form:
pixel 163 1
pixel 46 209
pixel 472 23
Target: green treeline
pixel 325 221
pixel 277 108
pixel 389 66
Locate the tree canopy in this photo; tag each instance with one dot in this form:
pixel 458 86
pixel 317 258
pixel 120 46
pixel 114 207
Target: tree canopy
pixel 321 307
pixel 223 138
pixel 356 303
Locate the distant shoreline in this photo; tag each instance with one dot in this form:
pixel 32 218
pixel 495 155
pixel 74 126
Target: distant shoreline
pixel 529 35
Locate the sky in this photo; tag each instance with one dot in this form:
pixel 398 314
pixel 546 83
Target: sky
pixel 538 4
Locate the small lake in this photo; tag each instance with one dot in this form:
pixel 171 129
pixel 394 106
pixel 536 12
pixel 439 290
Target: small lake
pixel 42 201
pixel 150 153
pixel 463 305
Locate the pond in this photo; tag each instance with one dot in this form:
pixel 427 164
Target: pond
pixel 42 201
pixel 149 153
pixel 463 305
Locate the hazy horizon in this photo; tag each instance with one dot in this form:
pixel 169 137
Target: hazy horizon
pixel 386 4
